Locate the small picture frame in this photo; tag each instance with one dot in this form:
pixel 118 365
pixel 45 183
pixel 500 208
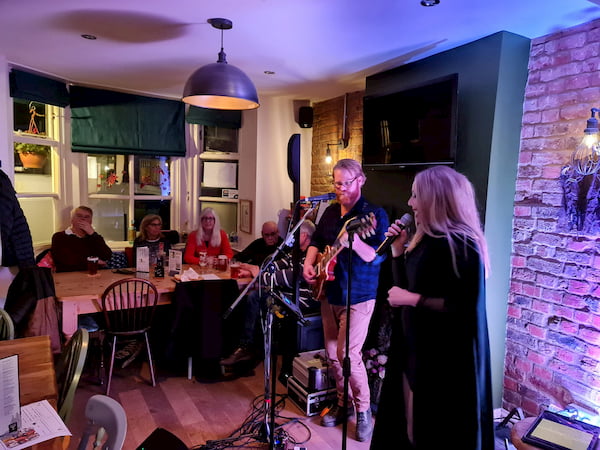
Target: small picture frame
pixel 246 216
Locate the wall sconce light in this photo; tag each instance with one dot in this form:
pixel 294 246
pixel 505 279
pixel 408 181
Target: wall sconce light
pixel 430 2
pixel 328 157
pixel 220 85
pixel 585 160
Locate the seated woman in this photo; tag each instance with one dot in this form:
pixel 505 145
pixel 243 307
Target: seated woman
pixel 151 237
pixel 209 238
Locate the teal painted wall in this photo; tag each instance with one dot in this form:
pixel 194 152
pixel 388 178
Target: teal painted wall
pixel 492 73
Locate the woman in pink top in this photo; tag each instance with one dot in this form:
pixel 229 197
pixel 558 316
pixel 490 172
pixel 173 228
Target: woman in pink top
pixel 209 238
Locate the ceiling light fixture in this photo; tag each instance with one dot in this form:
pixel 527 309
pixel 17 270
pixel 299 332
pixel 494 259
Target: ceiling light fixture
pixel 220 85
pixel 585 160
pixel 430 2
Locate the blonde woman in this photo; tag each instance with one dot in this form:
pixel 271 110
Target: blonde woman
pixel 209 238
pixel 439 354
pixel 152 237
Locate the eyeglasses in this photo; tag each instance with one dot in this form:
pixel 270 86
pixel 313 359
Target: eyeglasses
pixel 155 224
pixel 207 218
pixel 274 233
pixel 346 184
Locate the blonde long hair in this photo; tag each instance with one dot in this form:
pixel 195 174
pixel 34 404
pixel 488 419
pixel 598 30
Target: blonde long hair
pixel 214 240
pixel 148 218
pixel 447 207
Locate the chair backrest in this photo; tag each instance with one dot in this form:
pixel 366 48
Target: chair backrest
pixel 104 414
pixel 7 328
pixel 129 306
pixel 68 371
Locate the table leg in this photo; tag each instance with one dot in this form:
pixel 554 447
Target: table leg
pixel 70 311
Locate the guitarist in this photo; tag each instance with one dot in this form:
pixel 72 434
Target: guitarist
pixel 348 179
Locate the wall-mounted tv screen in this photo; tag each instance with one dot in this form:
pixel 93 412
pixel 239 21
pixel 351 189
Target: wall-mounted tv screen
pixel 412 126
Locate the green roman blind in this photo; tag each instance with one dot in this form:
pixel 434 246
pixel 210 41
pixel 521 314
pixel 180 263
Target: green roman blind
pixel 111 122
pixel 37 88
pixel 214 117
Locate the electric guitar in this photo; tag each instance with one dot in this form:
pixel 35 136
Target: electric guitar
pixel 325 261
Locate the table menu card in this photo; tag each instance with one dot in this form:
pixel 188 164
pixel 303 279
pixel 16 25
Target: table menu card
pixel 10 408
pixel 142 263
pixel 175 262
pixel 40 422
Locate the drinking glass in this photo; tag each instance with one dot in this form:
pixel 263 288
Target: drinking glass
pixel 92 264
pixel 202 260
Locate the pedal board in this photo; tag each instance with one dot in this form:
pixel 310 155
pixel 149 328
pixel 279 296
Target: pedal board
pixel 311 403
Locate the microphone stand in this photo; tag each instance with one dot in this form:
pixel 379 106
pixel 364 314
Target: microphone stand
pixel 270 357
pixel 287 242
pixel 346 369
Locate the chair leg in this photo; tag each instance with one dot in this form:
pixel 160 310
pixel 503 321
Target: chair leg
pixel 112 363
pixel 150 359
pixel 190 365
pixel 102 370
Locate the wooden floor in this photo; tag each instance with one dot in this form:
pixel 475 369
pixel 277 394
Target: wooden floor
pixel 197 412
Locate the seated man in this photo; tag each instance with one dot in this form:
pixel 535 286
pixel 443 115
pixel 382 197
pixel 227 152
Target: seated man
pixel 282 277
pixel 71 248
pixel 258 250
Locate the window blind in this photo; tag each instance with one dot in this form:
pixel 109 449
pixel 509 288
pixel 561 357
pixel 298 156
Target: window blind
pixel 109 122
pixel 37 88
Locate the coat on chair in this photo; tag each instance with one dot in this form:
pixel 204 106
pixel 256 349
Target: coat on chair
pixel 31 303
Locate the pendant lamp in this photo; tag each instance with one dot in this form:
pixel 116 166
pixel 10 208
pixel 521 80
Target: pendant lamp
pixel 220 85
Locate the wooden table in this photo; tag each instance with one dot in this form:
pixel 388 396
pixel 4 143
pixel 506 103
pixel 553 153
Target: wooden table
pixel 79 293
pixel 37 379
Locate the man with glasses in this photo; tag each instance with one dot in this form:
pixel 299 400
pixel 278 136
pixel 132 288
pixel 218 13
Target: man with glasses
pixel 259 249
pixel 281 277
pixel 348 180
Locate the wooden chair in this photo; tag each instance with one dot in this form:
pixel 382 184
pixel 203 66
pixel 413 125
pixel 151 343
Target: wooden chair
pixel 7 328
pixel 107 421
pixel 68 371
pixel 129 305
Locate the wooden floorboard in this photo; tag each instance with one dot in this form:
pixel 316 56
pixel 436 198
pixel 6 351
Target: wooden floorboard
pixel 199 411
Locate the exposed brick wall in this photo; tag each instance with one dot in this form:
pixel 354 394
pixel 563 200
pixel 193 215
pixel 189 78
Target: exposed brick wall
pixel 328 117
pixel 553 329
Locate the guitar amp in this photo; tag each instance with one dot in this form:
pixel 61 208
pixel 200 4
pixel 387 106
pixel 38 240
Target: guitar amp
pixel 311 403
pixel 312 370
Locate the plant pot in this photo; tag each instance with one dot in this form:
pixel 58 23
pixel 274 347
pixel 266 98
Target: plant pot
pixel 32 160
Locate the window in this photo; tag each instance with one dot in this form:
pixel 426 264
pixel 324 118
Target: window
pixel 220 139
pixel 36 143
pixel 219 185
pixel 116 201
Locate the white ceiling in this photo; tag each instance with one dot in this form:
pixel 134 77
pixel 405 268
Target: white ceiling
pixel 318 49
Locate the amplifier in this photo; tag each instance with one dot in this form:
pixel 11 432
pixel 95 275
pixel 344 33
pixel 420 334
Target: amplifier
pixel 312 370
pixel 311 403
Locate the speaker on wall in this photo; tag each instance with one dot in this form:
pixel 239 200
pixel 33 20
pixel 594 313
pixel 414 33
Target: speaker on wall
pixel 293 163
pixel 305 117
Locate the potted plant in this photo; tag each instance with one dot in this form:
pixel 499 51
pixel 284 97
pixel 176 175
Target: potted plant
pixel 33 156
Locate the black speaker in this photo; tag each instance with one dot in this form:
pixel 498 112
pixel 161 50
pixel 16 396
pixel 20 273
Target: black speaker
pixel 305 117
pixel 161 439
pixel 293 163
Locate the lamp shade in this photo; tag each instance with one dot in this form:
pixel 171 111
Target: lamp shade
pixel 220 86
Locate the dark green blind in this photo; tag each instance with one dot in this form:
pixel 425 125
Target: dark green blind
pixel 110 122
pixel 214 117
pixel 37 88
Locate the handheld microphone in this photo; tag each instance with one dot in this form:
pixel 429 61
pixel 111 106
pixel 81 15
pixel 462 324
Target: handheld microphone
pixel 321 198
pixel 405 221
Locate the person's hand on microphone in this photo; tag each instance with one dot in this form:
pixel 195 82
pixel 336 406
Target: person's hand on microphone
pixel 397 229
